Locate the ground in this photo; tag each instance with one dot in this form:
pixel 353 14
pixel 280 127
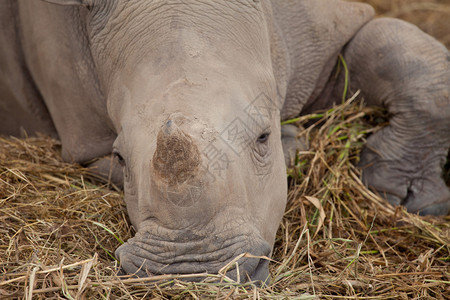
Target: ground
pixel 59 226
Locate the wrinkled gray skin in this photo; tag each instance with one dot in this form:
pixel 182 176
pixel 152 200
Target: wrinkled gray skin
pixel 189 96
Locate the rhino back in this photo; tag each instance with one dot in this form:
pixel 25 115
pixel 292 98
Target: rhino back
pixel 314 32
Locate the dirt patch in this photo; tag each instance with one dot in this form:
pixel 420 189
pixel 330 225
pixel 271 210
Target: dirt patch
pixel 176 158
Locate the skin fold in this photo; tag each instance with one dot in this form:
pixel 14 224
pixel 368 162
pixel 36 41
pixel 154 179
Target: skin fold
pixel 188 97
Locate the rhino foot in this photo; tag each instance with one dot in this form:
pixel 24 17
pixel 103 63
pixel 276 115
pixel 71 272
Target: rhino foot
pixel 108 169
pixel 412 180
pixel 292 143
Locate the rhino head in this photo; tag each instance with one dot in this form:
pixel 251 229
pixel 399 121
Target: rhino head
pixel 191 92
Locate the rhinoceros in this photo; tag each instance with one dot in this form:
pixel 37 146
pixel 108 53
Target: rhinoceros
pixel 188 96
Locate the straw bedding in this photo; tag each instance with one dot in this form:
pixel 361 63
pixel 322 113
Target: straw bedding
pixel 59 227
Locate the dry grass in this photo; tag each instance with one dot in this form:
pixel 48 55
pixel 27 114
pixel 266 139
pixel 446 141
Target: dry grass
pixel 58 230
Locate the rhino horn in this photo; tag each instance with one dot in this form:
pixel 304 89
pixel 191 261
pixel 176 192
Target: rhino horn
pixel 176 158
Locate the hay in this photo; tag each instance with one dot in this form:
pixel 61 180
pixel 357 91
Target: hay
pixel 59 229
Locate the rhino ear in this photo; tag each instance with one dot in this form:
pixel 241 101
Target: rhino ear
pixel 71 2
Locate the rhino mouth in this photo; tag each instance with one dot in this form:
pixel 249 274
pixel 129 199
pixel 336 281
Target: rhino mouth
pixel 149 254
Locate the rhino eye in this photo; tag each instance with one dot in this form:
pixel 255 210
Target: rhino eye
pixel 263 137
pixel 119 157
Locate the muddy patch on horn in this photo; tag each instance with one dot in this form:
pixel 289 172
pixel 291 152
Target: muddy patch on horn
pixel 177 158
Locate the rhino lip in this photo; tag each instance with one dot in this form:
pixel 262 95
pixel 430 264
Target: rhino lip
pixel 145 255
pixel 249 268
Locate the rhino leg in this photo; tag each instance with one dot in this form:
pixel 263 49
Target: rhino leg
pixel 22 109
pixel 107 168
pixel 399 67
pixel 292 143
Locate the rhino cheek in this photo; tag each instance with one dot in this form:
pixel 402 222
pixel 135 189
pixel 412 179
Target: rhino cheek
pixel 267 191
pixel 132 203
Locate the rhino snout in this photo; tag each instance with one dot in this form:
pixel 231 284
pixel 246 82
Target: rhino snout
pixel 148 254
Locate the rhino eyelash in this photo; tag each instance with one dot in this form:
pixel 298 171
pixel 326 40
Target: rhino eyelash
pixel 263 137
